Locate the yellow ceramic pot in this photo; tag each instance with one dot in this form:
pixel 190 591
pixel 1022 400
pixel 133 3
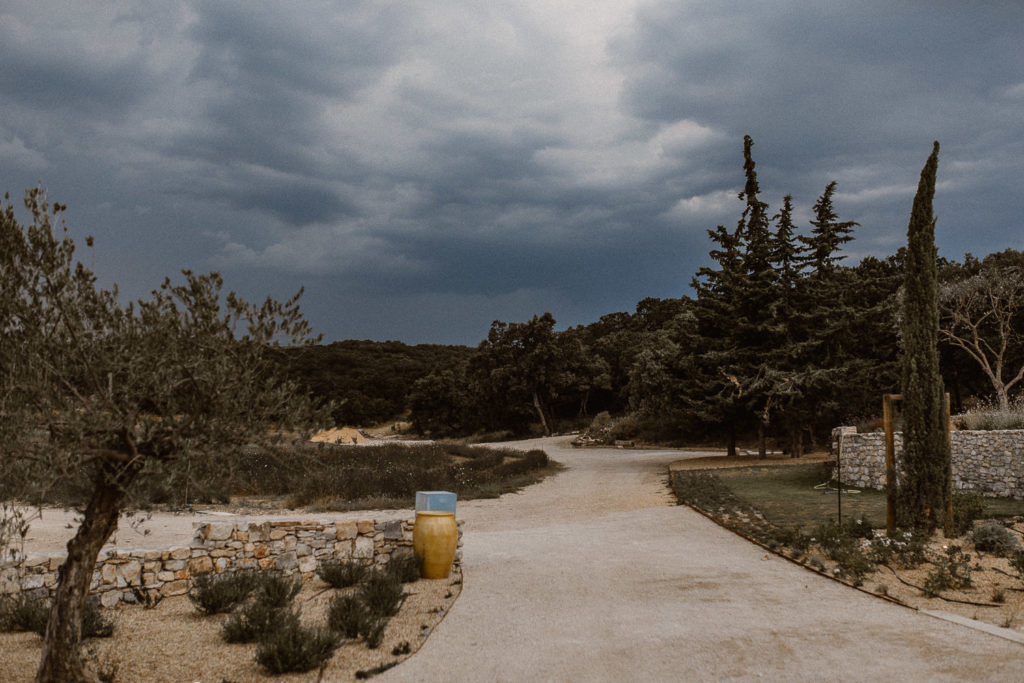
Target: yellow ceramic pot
pixel 435 537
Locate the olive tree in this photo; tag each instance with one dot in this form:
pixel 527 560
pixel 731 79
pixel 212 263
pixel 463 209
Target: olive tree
pixel 980 316
pixel 96 395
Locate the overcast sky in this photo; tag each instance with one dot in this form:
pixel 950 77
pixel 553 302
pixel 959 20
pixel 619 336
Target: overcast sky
pixel 424 168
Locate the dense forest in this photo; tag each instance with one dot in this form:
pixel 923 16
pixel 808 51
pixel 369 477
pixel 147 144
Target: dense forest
pixel 780 341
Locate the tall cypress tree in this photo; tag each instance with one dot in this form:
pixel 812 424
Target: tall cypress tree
pixel 925 481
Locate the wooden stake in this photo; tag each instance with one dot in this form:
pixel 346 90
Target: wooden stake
pixel 890 462
pixel 947 526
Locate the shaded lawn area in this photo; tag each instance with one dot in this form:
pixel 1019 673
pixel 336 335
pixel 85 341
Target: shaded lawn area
pixel 787 497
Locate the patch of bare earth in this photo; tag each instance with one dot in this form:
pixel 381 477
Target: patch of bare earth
pixel 173 642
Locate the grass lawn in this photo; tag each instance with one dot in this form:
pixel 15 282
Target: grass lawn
pixel 787 497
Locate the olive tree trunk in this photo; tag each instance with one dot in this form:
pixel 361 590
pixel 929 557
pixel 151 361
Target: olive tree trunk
pixel 61 660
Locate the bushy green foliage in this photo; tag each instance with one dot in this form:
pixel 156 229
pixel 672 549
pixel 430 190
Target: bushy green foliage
pixel 993 537
pixel 18 613
pixel 276 590
pixel 373 629
pixel 952 571
pixel 382 593
pixel 294 648
pixel 269 594
pixel 216 593
pixel 794 539
pixel 967 508
pixel 341 573
pixel 847 545
pixel 23 614
pixel 907 548
pixel 405 567
pixel 346 615
pixel 253 621
pixel 831 533
pixel 95 624
pixel 368 382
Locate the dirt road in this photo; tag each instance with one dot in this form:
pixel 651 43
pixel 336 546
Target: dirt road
pixel 595 575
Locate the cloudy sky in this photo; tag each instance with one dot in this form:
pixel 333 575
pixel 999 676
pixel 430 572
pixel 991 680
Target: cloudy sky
pixel 424 168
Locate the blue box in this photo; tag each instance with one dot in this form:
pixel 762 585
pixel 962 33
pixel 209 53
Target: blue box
pixel 435 501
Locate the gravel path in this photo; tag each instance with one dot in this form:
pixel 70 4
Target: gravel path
pixel 594 574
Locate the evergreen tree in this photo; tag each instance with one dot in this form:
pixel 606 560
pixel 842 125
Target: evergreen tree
pixel 737 305
pixel 791 352
pixel 714 394
pixel 828 235
pixel 925 481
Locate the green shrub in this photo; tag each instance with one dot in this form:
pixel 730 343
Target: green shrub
pixel 341 573
pixel 405 567
pixel 794 539
pixel 831 535
pixel 967 507
pixel 993 537
pixel 254 621
pixel 346 615
pixel 952 571
pixel 847 544
pixel 906 549
pixel 21 614
pixel 95 623
pixel 213 594
pixel 853 564
pixel 373 631
pixel 382 594
pixel 275 590
pixel 295 648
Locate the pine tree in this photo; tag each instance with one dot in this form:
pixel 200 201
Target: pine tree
pixel 828 235
pixel 738 323
pixel 713 396
pixel 925 481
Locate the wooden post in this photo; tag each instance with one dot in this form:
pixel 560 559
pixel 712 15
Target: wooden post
pixel 890 462
pixel 947 526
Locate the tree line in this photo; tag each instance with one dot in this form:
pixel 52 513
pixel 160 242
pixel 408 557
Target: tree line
pixel 780 341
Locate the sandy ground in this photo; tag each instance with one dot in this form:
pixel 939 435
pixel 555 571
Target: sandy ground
pixel 595 574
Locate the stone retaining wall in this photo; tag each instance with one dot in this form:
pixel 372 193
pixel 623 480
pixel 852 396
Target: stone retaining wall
pixel 291 547
pixel 988 462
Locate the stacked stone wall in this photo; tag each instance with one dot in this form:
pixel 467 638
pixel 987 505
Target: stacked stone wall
pixel 987 462
pixel 290 547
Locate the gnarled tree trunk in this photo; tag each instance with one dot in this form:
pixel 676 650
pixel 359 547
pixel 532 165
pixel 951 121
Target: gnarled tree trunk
pixel 61 661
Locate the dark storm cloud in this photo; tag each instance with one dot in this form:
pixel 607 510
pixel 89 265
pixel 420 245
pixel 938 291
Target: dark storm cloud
pixel 424 168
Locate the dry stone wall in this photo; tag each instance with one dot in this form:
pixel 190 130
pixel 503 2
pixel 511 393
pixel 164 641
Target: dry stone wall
pixel 290 547
pixel 988 462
